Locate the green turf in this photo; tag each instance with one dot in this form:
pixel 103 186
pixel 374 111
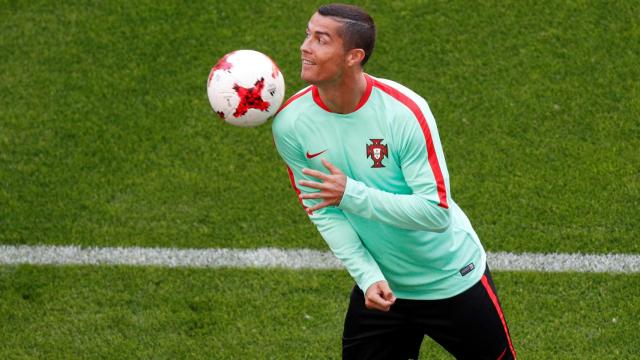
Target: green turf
pixel 59 312
pixel 107 138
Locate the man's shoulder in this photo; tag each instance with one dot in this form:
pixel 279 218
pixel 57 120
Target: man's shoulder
pixel 290 110
pixel 396 90
pixel 296 102
pixel 401 98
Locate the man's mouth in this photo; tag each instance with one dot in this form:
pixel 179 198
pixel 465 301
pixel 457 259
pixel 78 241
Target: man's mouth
pixel 307 62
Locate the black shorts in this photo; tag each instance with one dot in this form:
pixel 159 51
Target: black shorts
pixel 470 325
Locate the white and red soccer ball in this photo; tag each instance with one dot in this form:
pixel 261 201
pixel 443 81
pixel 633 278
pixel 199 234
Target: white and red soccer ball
pixel 245 88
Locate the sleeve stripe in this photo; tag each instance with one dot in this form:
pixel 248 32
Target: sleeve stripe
pixel 431 152
pixel 295 188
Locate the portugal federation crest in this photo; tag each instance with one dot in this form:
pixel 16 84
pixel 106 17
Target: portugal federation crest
pixel 377 151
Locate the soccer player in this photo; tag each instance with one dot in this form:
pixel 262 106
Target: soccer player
pixel 365 158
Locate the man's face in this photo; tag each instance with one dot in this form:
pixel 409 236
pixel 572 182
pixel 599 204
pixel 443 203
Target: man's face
pixel 323 54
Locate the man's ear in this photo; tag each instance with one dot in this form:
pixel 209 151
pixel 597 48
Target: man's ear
pixel 355 57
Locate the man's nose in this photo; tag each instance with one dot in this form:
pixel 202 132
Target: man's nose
pixel 304 47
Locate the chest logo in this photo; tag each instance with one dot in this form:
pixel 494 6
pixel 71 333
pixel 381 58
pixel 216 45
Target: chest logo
pixel 311 156
pixel 377 151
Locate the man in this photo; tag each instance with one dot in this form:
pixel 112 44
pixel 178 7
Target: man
pixel 365 158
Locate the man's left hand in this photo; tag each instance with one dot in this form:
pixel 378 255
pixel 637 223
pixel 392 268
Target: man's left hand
pixel 331 188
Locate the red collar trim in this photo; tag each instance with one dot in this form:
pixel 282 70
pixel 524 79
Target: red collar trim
pixel 317 99
pixel 363 99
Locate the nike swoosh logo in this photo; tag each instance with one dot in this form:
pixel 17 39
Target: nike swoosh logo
pixel 311 156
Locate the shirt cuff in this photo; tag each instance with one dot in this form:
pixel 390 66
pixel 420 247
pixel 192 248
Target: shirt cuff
pixel 353 196
pixel 366 283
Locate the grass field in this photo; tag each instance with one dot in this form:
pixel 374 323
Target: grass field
pixel 146 313
pixel 107 139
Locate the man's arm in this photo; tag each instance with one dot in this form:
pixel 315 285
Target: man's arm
pixel 332 224
pixel 425 209
pixel 413 212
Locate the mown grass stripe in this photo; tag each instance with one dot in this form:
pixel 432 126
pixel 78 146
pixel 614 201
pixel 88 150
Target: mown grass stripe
pixel 288 258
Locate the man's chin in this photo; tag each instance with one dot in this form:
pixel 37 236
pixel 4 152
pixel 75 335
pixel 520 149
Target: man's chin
pixel 306 78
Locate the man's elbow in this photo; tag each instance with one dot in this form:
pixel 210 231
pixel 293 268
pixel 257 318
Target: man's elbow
pixel 439 220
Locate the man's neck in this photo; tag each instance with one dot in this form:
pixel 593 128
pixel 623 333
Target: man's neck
pixel 343 96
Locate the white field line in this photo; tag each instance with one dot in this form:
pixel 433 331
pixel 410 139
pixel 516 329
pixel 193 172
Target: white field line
pixel 291 259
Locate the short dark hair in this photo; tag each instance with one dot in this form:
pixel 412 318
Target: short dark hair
pixel 358 29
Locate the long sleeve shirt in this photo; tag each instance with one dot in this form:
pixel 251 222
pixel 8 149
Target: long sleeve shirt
pixel 397 220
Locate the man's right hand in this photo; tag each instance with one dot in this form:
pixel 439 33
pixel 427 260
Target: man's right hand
pixel 379 296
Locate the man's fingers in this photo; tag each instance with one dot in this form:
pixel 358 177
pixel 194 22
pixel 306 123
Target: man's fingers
pixel 315 173
pixel 379 296
pixel 318 206
pixel 315 195
pixel 312 184
pixel 386 293
pixel 376 301
pixel 332 168
pixel 379 303
pixel 388 298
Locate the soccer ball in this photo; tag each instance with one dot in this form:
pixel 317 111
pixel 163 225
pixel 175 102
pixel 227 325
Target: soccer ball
pixel 245 88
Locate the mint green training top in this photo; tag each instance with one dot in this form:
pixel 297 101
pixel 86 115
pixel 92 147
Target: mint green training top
pixel 396 221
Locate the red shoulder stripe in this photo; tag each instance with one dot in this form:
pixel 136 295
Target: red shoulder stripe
pixel 292 99
pixel 431 152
